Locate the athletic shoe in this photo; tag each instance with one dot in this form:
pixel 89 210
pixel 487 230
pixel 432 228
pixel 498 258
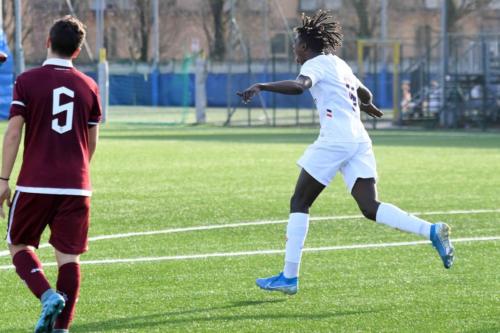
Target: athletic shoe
pixel 52 305
pixel 440 238
pixel 279 283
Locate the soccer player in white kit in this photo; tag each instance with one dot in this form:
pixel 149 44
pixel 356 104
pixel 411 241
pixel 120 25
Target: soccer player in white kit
pixel 343 145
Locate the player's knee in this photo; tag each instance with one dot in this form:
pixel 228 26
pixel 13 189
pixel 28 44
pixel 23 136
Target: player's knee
pixel 370 210
pixel 65 258
pixel 299 204
pixel 369 214
pixel 14 249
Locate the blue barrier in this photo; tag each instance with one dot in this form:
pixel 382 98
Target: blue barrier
pixel 172 89
pixel 178 90
pixel 6 77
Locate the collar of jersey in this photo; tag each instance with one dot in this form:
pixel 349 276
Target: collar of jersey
pixel 58 62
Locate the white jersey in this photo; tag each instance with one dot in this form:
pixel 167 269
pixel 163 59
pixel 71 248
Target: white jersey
pixel 334 89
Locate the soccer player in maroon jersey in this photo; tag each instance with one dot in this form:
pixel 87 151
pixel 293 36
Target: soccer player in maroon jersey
pixel 60 108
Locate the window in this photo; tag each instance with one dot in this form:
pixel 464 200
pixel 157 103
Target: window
pixel 332 4
pixel 309 5
pixel 112 4
pixel 49 5
pixel 257 5
pixel 280 44
pixel 111 43
pixel 423 37
pixel 432 4
pixel 313 5
pixel 495 4
pixel 188 5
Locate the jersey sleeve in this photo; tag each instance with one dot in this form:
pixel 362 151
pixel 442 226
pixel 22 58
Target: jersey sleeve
pixel 96 112
pixel 19 100
pixel 358 82
pixel 312 70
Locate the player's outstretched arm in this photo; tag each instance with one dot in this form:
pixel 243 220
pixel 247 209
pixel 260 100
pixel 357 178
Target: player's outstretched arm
pixel 366 98
pixel 287 87
pixel 11 141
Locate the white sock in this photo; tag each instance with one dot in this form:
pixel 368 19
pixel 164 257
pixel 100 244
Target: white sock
pixel 291 269
pixel 296 233
pixel 396 218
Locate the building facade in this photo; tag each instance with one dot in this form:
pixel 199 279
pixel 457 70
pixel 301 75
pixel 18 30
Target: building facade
pixel 254 29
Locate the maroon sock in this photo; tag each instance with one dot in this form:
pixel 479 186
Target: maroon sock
pixel 68 285
pixel 29 269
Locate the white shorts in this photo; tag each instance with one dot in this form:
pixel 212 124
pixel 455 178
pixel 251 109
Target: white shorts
pixel 354 160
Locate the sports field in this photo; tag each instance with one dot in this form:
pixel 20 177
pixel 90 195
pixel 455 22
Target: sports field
pixel 192 215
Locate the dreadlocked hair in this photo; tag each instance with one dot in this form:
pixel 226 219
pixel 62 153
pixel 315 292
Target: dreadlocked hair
pixel 320 32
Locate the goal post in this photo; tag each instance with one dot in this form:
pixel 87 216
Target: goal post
pixel 103 82
pixel 394 46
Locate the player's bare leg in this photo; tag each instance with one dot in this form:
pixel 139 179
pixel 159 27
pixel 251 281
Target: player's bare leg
pixel 306 192
pixel 365 194
pixel 68 285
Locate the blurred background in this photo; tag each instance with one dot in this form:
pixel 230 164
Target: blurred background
pixel 429 63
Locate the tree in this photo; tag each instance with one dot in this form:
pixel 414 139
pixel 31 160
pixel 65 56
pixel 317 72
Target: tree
pixel 215 20
pixel 142 30
pixel 458 9
pixel 219 46
pixel 10 24
pixel 368 17
pixel 136 21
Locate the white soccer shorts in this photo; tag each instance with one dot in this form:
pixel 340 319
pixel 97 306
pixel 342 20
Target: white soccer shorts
pixel 354 160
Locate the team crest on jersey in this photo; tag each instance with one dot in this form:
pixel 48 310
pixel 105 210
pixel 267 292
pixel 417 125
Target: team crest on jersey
pixel 329 113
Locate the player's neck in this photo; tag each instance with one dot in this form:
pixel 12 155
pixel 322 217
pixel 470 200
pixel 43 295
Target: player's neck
pixel 52 55
pixel 312 54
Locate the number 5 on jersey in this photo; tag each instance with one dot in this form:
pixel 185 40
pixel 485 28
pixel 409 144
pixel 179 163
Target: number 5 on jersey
pixel 58 108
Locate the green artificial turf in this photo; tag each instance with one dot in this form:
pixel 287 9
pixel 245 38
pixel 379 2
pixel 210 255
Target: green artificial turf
pixel 153 178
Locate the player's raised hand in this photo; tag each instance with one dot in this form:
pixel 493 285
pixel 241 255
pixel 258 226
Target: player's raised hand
pixel 371 110
pixel 246 95
pixel 3 57
pixel 4 196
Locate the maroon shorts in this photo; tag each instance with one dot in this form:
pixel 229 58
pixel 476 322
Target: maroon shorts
pixel 66 215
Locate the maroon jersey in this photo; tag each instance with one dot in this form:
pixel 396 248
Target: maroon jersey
pixel 58 104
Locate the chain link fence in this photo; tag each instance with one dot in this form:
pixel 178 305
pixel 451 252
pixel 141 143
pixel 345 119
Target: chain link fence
pixel 189 69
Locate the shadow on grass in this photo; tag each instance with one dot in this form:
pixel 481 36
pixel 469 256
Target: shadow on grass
pixel 307 136
pixel 205 315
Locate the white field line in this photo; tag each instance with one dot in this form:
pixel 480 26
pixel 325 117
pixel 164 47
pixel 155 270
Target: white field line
pixel 262 252
pixel 265 222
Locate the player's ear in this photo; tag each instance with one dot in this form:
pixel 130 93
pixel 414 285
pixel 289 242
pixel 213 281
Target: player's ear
pixel 47 43
pixel 76 53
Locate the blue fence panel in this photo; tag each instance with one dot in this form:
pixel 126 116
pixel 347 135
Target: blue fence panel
pixel 375 83
pixel 6 78
pixel 178 90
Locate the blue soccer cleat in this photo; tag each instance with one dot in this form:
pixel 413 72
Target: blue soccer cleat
pixel 279 283
pixel 440 238
pixel 52 305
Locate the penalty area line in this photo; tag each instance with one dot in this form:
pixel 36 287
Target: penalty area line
pixel 256 223
pixel 261 252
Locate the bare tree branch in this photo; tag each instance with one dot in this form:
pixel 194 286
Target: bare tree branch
pixel 459 9
pixel 367 18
